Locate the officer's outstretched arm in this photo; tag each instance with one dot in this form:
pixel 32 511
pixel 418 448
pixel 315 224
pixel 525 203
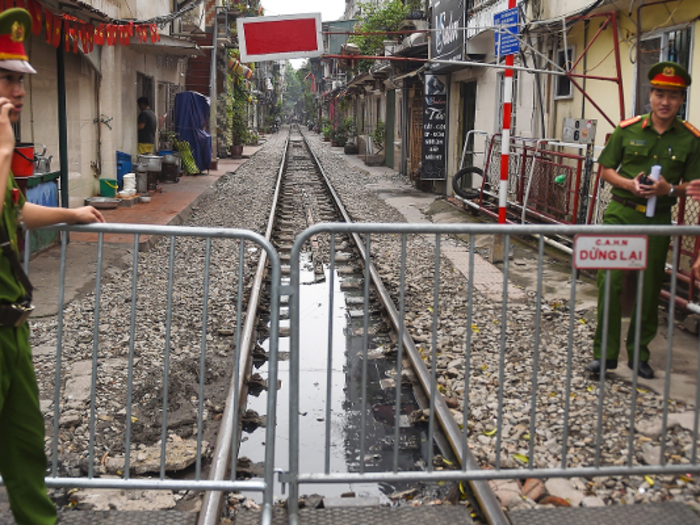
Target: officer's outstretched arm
pixel 36 216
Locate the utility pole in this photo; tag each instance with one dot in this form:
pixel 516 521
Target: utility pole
pixel 212 85
pixel 498 242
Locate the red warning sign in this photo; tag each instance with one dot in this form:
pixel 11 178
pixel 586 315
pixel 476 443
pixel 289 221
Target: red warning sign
pixel 280 37
pixel 610 252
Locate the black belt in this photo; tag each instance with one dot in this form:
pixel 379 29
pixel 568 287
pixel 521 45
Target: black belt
pixel 15 314
pixel 641 208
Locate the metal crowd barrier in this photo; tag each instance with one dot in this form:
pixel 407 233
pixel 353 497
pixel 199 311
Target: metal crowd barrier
pixel 544 183
pixel 589 457
pixel 604 451
pixel 137 335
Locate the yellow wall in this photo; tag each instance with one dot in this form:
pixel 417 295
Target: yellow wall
pixel 601 62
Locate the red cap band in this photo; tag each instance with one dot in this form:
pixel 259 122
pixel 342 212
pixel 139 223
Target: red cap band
pixel 11 50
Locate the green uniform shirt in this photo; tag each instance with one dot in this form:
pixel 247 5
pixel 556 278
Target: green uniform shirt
pixel 10 289
pixel 636 147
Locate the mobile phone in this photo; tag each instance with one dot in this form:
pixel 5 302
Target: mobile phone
pixel 646 180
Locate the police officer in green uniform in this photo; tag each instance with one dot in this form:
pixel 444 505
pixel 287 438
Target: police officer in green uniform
pixel 22 459
pixel 637 144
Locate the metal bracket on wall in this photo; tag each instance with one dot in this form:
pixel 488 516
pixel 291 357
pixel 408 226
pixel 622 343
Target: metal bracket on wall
pixel 104 120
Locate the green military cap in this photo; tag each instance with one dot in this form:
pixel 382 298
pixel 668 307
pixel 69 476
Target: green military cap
pixel 669 75
pixel 15 25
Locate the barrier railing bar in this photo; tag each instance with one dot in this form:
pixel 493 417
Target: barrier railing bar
pixel 59 356
pixel 489 474
pixel 95 344
pixel 468 351
pixel 502 357
pixel 635 364
pixel 669 352
pixel 166 356
pixel 697 412
pixel 203 357
pixel 399 351
pixel 329 368
pixel 603 368
pixel 365 338
pixel 156 484
pixel 130 366
pixel 536 354
pixel 237 358
pixel 433 352
pixel 569 363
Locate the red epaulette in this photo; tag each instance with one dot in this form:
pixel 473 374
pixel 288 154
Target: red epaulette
pixel 630 121
pixel 695 131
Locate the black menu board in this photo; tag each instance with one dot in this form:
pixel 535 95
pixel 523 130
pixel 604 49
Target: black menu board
pixel 434 127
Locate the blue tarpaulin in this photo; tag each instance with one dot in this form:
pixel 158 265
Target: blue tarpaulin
pixel 190 115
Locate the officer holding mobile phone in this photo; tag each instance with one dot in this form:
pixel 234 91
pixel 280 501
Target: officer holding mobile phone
pixel 659 138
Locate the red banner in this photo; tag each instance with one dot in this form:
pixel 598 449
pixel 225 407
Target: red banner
pixel 35 12
pixel 56 25
pixel 79 33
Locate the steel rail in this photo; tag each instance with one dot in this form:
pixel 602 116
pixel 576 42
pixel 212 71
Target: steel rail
pixel 211 505
pixel 482 491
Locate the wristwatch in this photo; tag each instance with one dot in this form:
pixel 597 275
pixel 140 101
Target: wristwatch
pixel 672 191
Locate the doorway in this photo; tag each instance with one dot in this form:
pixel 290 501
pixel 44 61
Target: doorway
pixel 467 111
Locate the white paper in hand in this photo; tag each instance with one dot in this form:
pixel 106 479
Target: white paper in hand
pixel 651 201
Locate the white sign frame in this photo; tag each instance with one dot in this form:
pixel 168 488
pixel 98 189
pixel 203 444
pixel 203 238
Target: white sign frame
pixel 611 252
pixel 243 48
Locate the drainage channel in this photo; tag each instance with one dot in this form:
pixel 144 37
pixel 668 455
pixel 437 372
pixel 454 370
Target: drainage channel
pixel 336 324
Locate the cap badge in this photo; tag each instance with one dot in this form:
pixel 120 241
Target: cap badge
pixel 17 32
pixel 669 71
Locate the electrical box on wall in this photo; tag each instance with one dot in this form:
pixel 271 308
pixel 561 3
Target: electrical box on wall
pixel 579 130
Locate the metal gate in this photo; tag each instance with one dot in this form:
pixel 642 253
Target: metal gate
pixel 493 432
pixel 115 356
pixel 501 376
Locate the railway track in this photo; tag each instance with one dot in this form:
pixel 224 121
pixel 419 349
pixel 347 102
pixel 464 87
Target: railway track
pixel 350 402
pixel 305 197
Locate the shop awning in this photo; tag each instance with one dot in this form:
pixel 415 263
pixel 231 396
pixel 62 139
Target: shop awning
pixel 168 45
pixel 410 73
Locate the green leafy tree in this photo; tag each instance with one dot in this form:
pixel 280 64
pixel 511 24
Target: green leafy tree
pixel 377 19
pixel 293 91
pixel 306 104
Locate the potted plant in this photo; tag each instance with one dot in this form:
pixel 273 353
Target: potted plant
pixel 327 131
pixel 351 147
pixel 378 135
pixel 340 137
pixel 239 127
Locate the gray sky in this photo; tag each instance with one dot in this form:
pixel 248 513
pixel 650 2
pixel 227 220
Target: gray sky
pixel 329 9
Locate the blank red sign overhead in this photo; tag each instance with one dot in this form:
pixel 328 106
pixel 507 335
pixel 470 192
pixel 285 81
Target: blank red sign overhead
pixel 280 37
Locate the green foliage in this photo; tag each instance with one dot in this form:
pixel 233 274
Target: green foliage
pixel 238 113
pixel 327 131
pixel 350 128
pixel 414 5
pixel 379 134
pixel 293 89
pixel 377 18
